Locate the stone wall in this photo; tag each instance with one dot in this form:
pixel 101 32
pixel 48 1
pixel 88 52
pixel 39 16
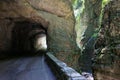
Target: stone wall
pixel 61 70
pixel 107 48
pixel 89 23
pixel 89 20
pixel 6 26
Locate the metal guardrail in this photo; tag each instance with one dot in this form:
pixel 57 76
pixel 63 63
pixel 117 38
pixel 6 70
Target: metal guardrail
pixel 61 70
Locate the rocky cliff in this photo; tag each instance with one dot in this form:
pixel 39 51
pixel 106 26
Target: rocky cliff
pixel 107 47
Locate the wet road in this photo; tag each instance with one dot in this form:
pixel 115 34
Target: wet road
pixel 25 68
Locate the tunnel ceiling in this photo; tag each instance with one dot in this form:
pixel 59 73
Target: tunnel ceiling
pixel 30 9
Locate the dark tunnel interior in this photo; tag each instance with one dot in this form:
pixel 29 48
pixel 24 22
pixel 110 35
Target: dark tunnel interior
pixel 24 37
pixel 24 62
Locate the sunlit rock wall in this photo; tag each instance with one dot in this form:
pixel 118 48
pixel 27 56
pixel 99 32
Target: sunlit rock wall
pixel 89 23
pixel 107 48
pixel 89 20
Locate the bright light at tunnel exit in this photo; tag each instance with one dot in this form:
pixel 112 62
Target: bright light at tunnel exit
pixel 40 43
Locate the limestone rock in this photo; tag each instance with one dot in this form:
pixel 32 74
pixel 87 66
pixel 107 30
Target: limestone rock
pixel 107 63
pixel 88 26
pixel 56 16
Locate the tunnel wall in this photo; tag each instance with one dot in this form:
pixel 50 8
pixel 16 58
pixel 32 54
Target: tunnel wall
pixel 6 26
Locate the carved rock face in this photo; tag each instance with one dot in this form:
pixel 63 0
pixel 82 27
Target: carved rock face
pixel 55 15
pixel 38 12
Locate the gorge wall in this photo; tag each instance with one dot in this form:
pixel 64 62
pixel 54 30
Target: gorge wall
pixel 107 47
pixel 99 39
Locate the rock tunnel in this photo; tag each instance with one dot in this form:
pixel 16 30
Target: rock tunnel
pixel 25 25
pixel 25 36
pixel 27 17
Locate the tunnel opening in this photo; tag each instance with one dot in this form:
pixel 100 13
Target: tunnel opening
pixel 91 16
pixel 26 57
pixel 28 37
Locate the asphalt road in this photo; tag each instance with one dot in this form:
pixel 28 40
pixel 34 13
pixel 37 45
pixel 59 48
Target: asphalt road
pixel 25 68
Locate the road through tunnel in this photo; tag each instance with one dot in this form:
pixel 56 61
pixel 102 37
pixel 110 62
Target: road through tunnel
pixel 29 60
pixel 59 22
pixel 28 37
pixel 25 26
